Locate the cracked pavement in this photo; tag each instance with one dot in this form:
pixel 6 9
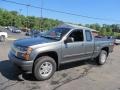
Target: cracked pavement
pixel 83 75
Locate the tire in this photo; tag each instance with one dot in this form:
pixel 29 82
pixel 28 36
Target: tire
pixel 2 38
pixel 101 59
pixel 44 68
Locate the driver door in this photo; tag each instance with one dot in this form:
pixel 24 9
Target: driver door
pixel 74 50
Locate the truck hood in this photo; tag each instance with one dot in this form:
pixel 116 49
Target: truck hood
pixel 32 41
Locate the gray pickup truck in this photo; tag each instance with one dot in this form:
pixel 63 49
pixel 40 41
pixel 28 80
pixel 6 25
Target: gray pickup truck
pixel 43 55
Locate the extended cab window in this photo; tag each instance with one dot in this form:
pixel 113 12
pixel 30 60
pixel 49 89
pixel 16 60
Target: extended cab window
pixel 88 35
pixel 77 35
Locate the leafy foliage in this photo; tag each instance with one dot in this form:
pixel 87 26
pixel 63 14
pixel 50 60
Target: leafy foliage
pixel 105 30
pixel 13 18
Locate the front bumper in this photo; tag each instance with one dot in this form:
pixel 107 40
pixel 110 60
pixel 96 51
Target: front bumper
pixel 22 64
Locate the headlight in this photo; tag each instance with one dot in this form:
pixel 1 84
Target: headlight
pixel 23 52
pixel 22 49
pixel 29 50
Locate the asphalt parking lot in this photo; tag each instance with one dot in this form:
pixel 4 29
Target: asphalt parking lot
pixel 83 75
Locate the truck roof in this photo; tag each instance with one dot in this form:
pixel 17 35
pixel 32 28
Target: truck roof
pixel 73 26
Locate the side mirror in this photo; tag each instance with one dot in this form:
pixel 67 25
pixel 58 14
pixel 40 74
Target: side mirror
pixel 69 39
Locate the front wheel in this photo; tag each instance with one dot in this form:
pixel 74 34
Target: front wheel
pixel 44 68
pixel 101 59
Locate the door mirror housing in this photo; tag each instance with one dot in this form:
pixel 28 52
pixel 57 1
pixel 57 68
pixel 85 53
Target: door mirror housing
pixel 69 39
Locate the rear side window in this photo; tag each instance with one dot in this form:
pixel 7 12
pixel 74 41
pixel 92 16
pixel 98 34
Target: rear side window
pixel 88 35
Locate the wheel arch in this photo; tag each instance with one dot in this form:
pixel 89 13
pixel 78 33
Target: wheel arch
pixel 51 54
pixel 106 49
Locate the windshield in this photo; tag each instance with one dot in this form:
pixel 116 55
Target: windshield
pixel 56 33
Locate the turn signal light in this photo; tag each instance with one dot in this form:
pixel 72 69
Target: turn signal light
pixel 26 56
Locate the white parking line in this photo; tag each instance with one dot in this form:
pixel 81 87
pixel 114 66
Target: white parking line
pixel 11 39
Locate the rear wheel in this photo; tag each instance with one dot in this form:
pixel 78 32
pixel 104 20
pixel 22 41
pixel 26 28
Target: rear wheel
pixel 2 38
pixel 101 59
pixel 44 68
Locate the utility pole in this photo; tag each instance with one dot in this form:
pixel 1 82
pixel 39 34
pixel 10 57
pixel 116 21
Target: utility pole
pixel 20 18
pixel 41 21
pixel 27 6
pixel 20 10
